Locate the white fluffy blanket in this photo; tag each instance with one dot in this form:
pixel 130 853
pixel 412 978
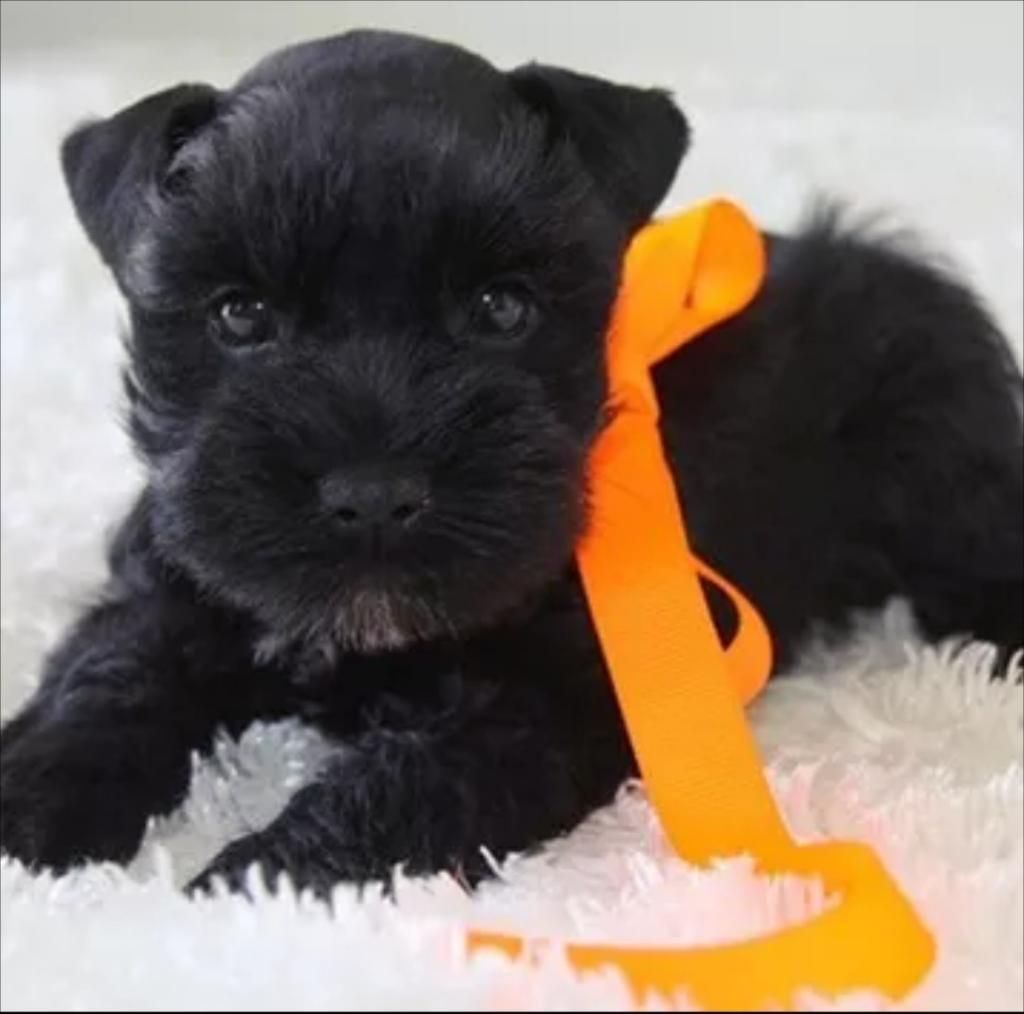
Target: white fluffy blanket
pixel 905 746
pixel 911 749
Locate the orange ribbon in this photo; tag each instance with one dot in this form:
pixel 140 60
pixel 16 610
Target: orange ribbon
pixel 681 693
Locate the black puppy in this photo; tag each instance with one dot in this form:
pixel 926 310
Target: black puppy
pixel 369 287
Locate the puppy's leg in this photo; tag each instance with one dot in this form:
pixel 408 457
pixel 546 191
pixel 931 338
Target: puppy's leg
pixel 945 426
pixel 105 742
pixel 513 764
pixel 857 436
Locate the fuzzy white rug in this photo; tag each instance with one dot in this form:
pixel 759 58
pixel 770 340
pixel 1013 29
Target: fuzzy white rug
pixel 911 749
pixel 883 739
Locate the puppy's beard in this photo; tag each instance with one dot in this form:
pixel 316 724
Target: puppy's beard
pixel 370 622
pixel 373 619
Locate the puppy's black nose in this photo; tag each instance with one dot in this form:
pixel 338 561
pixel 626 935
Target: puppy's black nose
pixel 363 501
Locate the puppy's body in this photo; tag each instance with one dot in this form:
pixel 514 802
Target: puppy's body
pixel 367 516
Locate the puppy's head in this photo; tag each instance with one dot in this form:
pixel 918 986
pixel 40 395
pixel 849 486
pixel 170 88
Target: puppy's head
pixel 369 288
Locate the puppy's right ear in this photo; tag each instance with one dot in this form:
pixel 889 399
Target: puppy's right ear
pixel 111 165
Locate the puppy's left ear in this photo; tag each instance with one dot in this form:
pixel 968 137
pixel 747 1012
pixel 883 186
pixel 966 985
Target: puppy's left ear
pixel 112 167
pixel 631 140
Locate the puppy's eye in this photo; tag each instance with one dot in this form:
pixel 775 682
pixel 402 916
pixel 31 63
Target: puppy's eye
pixel 503 311
pixel 240 320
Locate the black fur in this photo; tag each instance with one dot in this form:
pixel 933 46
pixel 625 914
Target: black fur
pixel 855 435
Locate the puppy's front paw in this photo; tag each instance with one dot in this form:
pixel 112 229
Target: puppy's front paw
pixel 230 868
pixel 60 803
pixel 308 861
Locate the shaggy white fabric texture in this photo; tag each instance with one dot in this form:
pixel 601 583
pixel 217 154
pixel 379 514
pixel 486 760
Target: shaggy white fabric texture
pixel 905 747
pixel 881 739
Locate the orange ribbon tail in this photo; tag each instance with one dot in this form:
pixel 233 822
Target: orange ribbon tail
pixel 681 693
